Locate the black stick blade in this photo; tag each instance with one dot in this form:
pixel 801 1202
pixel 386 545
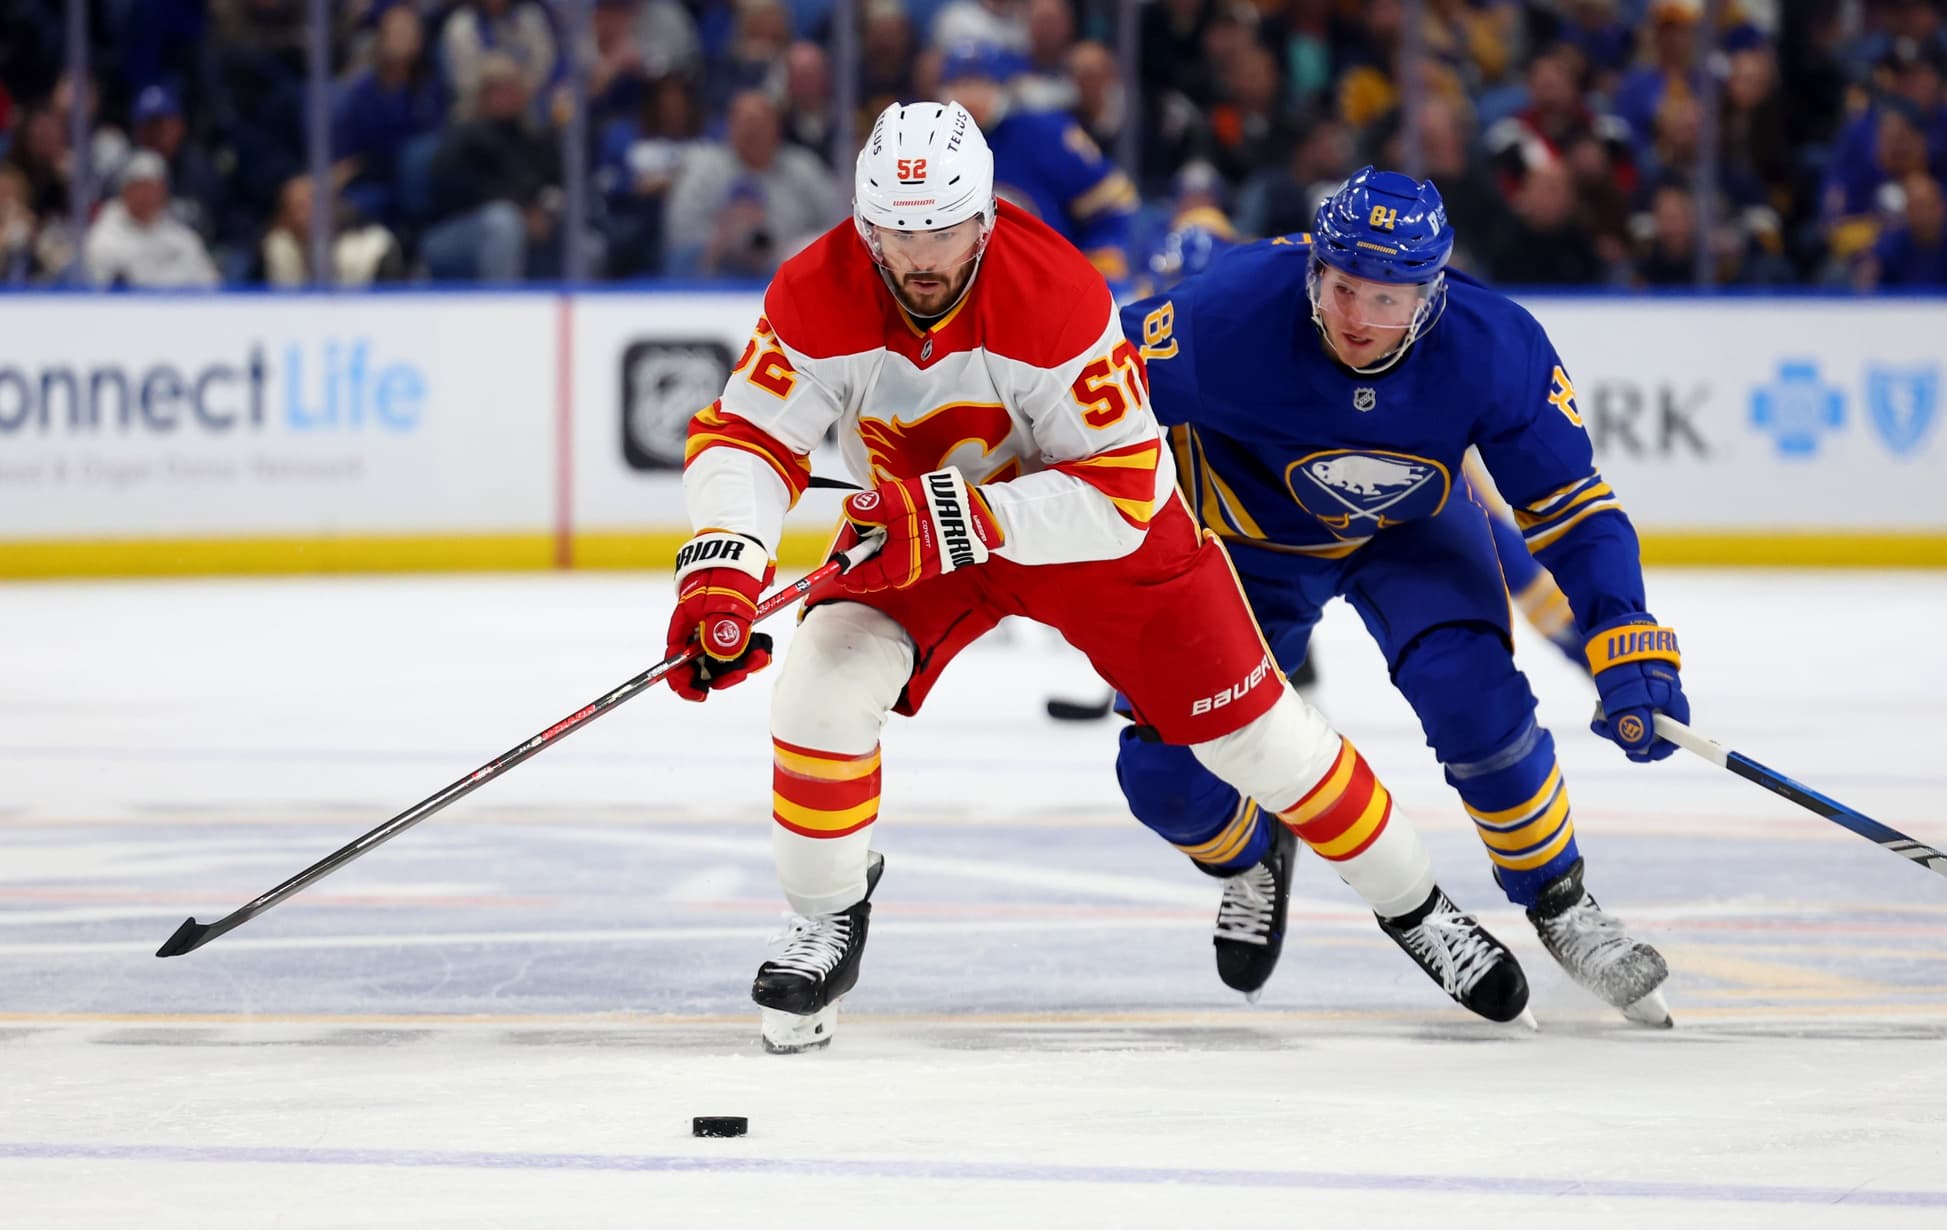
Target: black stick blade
pixel 1077 711
pixel 188 938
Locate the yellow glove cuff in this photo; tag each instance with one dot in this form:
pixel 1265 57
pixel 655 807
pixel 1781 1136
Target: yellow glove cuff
pixel 1632 643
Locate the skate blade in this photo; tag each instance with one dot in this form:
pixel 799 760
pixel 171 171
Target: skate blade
pixel 787 1033
pixel 1251 997
pixel 1651 1010
pixel 1527 1018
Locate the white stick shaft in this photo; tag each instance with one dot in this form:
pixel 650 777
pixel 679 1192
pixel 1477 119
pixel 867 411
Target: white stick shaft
pixel 1681 735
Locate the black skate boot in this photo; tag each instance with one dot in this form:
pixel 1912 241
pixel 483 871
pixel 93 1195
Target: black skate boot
pixel 799 989
pixel 1598 952
pixel 1459 954
pixel 1250 920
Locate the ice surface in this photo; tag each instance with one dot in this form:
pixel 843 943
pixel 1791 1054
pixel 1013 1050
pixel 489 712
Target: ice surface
pixel 508 1016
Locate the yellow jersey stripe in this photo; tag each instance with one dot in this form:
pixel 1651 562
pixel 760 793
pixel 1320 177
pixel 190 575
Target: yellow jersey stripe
pixel 1539 539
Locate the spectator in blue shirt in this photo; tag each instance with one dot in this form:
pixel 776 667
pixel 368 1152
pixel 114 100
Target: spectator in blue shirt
pixel 383 108
pixel 1672 63
pixel 1913 253
pixel 1855 201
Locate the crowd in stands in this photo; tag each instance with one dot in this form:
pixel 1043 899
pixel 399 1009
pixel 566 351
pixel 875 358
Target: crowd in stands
pixel 1565 135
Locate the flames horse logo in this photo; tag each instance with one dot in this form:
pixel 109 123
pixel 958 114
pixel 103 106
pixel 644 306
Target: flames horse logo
pixel 965 435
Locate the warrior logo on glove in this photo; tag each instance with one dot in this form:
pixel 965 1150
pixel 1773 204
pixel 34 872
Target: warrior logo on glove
pixel 932 524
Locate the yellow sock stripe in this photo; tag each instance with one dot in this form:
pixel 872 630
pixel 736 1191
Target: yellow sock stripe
pixel 1226 844
pixel 826 769
pixel 1362 828
pixel 1323 797
pixel 1522 836
pixel 811 818
pixel 1521 812
pixel 1528 862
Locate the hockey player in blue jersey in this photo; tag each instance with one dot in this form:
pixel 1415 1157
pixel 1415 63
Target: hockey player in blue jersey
pixel 1043 161
pixel 1322 392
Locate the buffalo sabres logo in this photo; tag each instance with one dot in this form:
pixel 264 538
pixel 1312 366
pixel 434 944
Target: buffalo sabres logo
pixel 1356 493
pixel 1902 401
pixel 1364 398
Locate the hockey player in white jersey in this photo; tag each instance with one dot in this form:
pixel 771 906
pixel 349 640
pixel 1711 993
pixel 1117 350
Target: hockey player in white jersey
pixel 985 394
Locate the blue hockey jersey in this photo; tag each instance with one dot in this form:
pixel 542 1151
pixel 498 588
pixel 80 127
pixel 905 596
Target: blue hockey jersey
pixel 1280 447
pixel 1047 165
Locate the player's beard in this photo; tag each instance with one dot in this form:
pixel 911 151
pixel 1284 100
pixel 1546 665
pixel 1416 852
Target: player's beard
pixel 931 292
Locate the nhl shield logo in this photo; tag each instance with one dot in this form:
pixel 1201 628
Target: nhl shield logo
pixel 1364 398
pixel 1902 402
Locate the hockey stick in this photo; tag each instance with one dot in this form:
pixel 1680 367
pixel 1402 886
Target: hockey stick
pixel 1811 800
pixel 193 935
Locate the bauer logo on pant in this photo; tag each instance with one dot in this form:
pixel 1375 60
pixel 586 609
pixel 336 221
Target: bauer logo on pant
pixel 1236 691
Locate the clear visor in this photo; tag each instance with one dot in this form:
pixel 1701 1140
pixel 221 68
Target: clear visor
pixel 942 251
pixel 1360 303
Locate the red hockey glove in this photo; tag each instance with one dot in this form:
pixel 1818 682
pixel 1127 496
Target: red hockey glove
pixel 932 525
pixel 719 578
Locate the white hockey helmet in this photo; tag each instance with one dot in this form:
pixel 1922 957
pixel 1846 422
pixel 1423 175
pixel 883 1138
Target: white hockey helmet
pixel 924 168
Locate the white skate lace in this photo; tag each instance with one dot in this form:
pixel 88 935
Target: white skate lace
pixel 1452 945
pixel 1584 936
pixel 814 944
pixel 1250 899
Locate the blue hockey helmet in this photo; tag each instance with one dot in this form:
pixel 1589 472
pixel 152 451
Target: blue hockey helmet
pixel 988 60
pixel 1386 228
pixel 1199 237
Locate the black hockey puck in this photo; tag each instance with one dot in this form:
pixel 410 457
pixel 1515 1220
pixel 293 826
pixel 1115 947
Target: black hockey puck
pixel 719 1125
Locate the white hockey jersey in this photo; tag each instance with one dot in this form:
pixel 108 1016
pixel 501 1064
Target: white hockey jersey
pixel 1028 388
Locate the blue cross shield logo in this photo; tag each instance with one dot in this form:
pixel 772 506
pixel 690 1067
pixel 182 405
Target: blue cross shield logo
pixel 1797 408
pixel 1902 402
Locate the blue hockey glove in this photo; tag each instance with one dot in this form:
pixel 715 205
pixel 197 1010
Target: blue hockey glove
pixel 1635 663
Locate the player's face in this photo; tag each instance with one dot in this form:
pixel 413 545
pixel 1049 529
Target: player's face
pixel 1365 320
pixel 929 269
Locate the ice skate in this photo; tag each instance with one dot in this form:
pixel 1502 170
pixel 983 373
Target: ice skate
pixel 1598 952
pixel 1457 952
pixel 799 989
pixel 1251 918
